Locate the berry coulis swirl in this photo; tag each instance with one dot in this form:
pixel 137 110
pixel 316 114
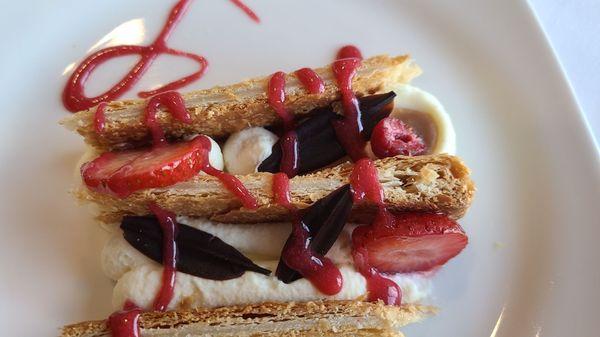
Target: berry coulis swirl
pixel 73 96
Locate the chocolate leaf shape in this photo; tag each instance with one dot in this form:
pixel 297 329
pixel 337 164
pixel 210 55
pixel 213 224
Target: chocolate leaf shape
pixel 198 253
pixel 317 141
pixel 325 220
pixel 374 108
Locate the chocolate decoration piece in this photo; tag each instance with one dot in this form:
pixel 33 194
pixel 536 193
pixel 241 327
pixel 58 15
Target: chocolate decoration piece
pixel 317 141
pixel 325 220
pixel 199 253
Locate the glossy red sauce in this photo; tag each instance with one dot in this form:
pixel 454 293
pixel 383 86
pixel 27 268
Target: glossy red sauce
pixel 310 80
pixel 378 286
pixel 289 157
pixel 246 10
pixel 366 187
pixel 349 128
pixel 281 191
pixel 168 224
pixel 365 182
pixel 319 270
pixel 349 51
pixel 289 139
pixel 174 103
pixel 99 117
pixel 74 97
pixel 124 323
pixel 276 98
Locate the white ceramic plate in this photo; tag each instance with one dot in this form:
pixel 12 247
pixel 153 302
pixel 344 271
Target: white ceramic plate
pixel 531 268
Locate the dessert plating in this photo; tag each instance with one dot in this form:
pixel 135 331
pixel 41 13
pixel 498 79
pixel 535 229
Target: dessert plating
pixel 330 208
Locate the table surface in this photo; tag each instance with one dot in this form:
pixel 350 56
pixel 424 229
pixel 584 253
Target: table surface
pixel 573 30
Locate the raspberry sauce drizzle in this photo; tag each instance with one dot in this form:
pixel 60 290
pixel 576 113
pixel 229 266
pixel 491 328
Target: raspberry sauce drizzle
pixel 297 254
pixel 310 80
pixel 366 187
pixel 233 184
pixel 175 105
pixel 349 51
pixel 99 117
pixel 289 143
pixel 168 224
pixel 246 10
pixel 348 130
pixel 74 98
pixel 124 323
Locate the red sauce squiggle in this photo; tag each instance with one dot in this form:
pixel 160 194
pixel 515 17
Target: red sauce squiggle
pixel 99 117
pixel 289 139
pixel 319 270
pixel 246 10
pixel 174 103
pixel 169 227
pixel 74 98
pixel 310 80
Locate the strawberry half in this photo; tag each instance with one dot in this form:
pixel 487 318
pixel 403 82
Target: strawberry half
pixel 122 173
pixel 412 242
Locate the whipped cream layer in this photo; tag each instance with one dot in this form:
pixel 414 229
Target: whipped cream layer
pixel 139 278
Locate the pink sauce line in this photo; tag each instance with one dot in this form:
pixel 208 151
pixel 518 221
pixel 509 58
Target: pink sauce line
pixel 73 95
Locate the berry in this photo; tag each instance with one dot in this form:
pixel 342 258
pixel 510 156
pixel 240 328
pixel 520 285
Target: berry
pixel 392 137
pixel 125 172
pixel 411 242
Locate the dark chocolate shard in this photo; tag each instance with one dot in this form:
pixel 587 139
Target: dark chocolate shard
pixel 198 253
pixel 325 220
pixel 317 141
pixel 373 109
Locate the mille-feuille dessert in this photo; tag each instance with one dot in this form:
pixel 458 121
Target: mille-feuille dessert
pixel 314 203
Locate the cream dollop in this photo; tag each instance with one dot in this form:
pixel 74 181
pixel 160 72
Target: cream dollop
pixel 245 150
pixel 215 156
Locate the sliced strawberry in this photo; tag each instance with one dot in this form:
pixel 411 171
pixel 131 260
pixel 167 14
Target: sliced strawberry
pixel 122 173
pixel 95 171
pixel 412 242
pixel 391 137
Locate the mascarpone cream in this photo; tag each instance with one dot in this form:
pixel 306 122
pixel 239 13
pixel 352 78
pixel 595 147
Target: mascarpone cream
pixel 138 277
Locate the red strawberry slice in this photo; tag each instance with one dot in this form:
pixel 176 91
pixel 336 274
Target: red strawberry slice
pixel 392 137
pixel 412 242
pixel 122 173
